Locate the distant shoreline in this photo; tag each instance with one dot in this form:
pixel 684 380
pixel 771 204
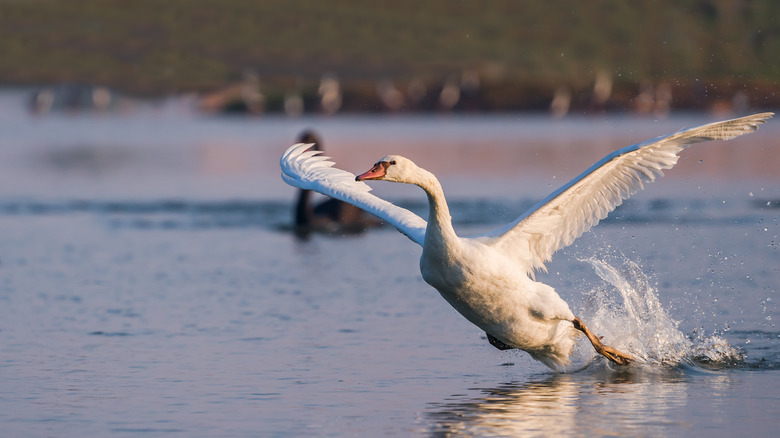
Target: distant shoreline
pixel 499 97
pixel 303 56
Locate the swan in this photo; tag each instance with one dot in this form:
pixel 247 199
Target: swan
pixel 331 215
pixel 489 278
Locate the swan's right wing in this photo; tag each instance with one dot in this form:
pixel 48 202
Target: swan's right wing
pixel 580 204
pixel 308 170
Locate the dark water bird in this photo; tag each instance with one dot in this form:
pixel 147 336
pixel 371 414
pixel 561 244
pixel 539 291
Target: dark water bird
pixel 489 278
pixel 330 216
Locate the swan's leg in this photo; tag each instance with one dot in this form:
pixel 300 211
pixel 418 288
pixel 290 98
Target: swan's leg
pixel 608 352
pixel 496 343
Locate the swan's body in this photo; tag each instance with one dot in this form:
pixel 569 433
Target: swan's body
pixel 489 278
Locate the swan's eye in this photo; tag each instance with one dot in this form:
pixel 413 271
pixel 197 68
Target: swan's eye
pixel 392 163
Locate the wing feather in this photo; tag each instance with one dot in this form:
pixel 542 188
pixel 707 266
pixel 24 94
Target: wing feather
pixel 573 209
pixel 308 170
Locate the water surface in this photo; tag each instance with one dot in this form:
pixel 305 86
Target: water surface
pixel 149 285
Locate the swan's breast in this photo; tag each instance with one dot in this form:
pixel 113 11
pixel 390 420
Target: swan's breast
pixel 474 278
pixel 491 291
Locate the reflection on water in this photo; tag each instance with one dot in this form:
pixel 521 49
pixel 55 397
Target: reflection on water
pixel 514 409
pixel 169 153
pixel 596 401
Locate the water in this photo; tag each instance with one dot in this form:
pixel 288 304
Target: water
pixel 149 284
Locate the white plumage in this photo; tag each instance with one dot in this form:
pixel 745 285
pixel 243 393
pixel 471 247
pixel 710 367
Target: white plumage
pixel 489 278
pixel 311 171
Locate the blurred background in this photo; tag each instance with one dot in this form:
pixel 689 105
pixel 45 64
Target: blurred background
pixel 198 98
pixel 302 56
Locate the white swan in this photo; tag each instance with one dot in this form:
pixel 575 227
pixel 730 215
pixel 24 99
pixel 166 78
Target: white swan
pixel 489 278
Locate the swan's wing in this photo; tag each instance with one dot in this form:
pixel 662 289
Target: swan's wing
pixel 559 219
pixel 308 170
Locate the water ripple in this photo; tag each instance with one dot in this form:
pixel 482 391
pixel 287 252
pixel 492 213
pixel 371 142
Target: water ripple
pixel 224 214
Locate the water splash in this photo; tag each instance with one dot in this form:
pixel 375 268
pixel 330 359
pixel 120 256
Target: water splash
pixel 627 308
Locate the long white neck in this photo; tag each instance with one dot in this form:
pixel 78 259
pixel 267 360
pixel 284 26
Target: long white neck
pixel 439 230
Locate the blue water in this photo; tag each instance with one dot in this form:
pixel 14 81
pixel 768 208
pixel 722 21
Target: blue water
pixel 149 286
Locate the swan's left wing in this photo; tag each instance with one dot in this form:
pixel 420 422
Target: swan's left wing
pixel 308 170
pixel 559 219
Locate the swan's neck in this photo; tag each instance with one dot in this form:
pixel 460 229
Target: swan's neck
pixel 439 230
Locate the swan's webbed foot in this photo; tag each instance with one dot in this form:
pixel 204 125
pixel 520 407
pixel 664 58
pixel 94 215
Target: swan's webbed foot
pixel 605 350
pixel 496 343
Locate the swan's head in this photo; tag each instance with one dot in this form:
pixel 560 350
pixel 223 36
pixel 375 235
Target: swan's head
pixel 393 168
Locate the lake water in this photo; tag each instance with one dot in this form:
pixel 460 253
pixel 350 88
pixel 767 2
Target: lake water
pixel 149 284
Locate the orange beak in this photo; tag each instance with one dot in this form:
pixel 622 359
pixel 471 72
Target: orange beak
pixel 376 172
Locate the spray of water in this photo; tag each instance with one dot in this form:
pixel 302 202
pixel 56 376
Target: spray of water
pixel 627 308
